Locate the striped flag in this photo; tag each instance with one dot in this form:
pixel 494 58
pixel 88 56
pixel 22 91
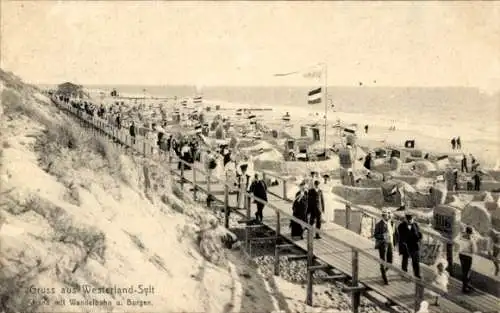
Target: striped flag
pixel 198 99
pixel 314 96
pixel 198 128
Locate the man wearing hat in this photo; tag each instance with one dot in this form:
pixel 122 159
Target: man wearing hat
pixel 316 206
pixel 385 239
pixel 409 237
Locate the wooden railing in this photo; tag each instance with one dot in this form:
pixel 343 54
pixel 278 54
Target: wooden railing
pixel 356 288
pixel 430 235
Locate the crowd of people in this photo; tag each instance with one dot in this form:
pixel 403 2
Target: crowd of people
pixel 407 237
pixel 309 204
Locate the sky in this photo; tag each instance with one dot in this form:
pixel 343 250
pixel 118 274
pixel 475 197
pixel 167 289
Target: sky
pixel 245 43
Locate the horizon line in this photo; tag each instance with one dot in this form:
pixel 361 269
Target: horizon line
pixel 269 86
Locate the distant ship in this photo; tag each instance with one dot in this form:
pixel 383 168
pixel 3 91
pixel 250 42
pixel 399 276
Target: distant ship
pixel 286 117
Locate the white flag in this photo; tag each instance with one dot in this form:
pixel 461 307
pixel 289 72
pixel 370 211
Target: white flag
pixel 313 74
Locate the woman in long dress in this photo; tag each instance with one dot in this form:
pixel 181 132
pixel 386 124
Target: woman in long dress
pixel 299 209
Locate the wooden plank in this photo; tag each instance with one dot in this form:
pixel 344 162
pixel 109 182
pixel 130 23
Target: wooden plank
pixel 318 267
pixel 297 257
pixel 335 277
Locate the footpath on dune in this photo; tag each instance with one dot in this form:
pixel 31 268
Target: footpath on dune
pixel 84 227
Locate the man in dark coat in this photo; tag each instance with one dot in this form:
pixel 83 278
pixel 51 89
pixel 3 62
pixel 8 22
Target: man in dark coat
pixel 299 210
pixel 477 180
pixel 316 206
pixel 368 161
pixel 259 190
pixel 409 237
pixel 464 164
pixel 132 132
pixel 385 235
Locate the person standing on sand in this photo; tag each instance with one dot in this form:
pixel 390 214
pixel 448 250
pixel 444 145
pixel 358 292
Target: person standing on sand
pixel 132 132
pixel 368 161
pixel 385 239
pixel 477 180
pixel 464 164
pixel 409 237
pixel 453 143
pixel 459 143
pixel 316 206
pixel 259 190
pixel 299 210
pixel 466 252
pixel 366 129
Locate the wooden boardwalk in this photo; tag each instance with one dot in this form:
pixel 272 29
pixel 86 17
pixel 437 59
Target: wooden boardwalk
pixel 352 256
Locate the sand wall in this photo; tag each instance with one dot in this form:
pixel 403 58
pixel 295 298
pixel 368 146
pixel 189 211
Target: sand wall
pixel 360 196
pixel 476 215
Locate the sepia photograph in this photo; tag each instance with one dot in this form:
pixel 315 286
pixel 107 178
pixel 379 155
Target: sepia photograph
pixel 249 156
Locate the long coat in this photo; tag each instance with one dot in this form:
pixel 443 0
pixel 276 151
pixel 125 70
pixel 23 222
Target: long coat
pixel 259 189
pixel 316 202
pixel 380 234
pixel 299 209
pixel 409 238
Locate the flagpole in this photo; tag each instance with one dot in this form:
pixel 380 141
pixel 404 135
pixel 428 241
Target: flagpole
pixel 325 68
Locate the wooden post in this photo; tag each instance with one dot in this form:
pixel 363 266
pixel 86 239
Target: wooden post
pixel 348 216
pixel 194 182
pixel 276 242
pixel 226 206
pixel 246 205
pixel 182 175
pixel 310 262
pixel 209 194
pixel 284 190
pixel 449 256
pixel 356 295
pixel 419 295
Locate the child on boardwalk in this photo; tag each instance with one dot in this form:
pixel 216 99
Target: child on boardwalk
pixel 440 279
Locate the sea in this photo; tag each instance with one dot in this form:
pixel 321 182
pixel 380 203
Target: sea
pixel 439 111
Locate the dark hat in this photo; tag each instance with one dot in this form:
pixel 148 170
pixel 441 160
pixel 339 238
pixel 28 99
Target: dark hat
pixel 409 215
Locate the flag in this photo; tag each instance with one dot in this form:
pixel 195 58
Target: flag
pixel 350 129
pixel 313 74
pixel 198 128
pixel 198 99
pixel 285 74
pixel 314 96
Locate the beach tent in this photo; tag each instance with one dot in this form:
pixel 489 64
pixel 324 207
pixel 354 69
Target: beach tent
pixel 316 136
pixel 346 157
pixel 303 131
pixel 410 144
